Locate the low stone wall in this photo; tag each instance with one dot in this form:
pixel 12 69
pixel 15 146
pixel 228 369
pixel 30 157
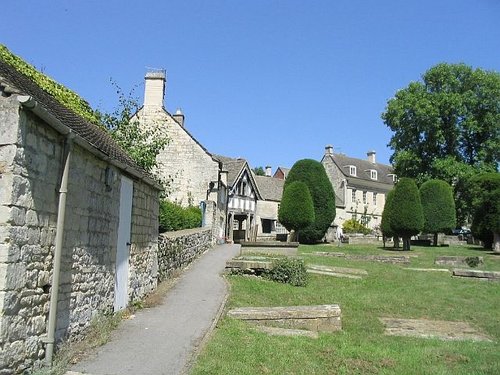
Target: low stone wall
pixel 178 249
pixel 362 240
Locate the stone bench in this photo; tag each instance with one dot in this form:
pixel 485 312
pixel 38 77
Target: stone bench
pixel 449 260
pixel 324 318
pixel 484 275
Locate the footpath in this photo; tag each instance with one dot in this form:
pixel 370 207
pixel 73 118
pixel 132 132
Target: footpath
pixel 166 339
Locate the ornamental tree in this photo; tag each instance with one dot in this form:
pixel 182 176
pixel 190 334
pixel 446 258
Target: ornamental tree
pixel 438 207
pixel 313 174
pixel 385 224
pixel 407 218
pixel 486 222
pixel 296 210
pixel 447 126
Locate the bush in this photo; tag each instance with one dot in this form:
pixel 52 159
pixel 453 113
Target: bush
pixel 355 226
pixel 288 270
pixel 175 217
pixel 296 210
pixel 385 224
pixel 313 174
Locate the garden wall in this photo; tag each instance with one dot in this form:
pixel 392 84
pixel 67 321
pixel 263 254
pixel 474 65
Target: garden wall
pixel 178 249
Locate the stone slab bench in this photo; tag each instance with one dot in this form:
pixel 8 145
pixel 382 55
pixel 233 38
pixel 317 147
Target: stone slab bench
pixel 245 264
pixel 324 318
pixel 485 275
pixel 448 260
pixel 269 247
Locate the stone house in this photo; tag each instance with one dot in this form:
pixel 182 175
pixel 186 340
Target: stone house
pixel 271 189
pixel 194 175
pixel 360 187
pixel 78 224
pixel 243 194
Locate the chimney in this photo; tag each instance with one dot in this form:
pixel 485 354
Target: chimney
pixel 328 150
pixel 371 156
pixel 268 170
pixel 154 89
pixel 179 117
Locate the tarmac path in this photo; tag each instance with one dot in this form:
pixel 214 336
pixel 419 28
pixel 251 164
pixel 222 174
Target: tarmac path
pixel 166 339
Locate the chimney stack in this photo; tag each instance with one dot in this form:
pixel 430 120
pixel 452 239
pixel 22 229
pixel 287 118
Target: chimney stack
pixel 328 150
pixel 154 89
pixel 179 117
pixel 371 156
pixel 268 170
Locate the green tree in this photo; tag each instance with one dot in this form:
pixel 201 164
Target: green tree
pixel 407 218
pixel 259 171
pixel 296 210
pixel 313 174
pixel 438 207
pixel 486 222
pixel 385 224
pixel 446 126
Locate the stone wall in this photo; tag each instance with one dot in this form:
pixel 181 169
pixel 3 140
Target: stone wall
pixel 178 249
pixel 31 160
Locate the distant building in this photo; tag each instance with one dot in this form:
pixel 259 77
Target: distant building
pixel 271 190
pixel 360 186
pixel 281 173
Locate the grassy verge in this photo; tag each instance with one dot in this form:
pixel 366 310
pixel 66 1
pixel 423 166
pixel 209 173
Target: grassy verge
pixel 362 348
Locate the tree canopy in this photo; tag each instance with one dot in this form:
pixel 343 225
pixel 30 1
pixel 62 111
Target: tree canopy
pixel 296 210
pixel 438 207
pixel 446 126
pixel 313 174
pixel 259 171
pixel 407 218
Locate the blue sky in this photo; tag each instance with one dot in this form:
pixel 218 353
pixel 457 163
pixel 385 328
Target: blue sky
pixel 270 81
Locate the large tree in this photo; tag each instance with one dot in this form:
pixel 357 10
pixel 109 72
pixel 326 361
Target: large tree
pixel 446 126
pixel 313 174
pixel 486 223
pixel 407 218
pixel 296 210
pixel 438 207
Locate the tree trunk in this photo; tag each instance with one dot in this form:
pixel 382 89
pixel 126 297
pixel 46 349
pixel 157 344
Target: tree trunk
pixel 496 242
pixel 291 236
pixel 435 239
pixel 406 243
pixel 383 240
pixel 396 242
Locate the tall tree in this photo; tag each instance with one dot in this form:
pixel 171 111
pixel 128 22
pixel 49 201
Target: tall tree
pixel 259 171
pixel 385 224
pixel 313 174
pixel 438 207
pixel 446 126
pixel 407 218
pixel 296 210
pixel 486 223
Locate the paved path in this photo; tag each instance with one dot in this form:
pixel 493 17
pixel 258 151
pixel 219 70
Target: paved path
pixel 164 339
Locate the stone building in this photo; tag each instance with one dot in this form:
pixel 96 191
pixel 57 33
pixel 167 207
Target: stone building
pixel 271 189
pixel 78 224
pixel 360 187
pixel 194 176
pixel 281 173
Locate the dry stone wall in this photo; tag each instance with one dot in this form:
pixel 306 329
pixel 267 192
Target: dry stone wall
pixel 178 249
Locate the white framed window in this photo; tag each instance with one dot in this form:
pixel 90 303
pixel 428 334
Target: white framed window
pixel 373 174
pixel 353 195
pixel 364 197
pixel 352 170
pixel 374 199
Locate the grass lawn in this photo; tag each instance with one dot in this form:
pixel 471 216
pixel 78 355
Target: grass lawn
pixel 361 347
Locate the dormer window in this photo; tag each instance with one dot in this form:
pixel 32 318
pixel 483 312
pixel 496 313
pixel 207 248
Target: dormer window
pixel 373 174
pixel 352 170
pixel 393 177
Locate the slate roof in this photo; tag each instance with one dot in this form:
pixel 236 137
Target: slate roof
pixel 284 170
pixel 270 188
pixel 363 167
pixel 91 133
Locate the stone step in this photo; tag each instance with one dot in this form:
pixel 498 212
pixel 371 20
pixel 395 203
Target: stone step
pixel 488 275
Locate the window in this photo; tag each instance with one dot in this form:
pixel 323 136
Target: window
pixel 353 195
pixel 364 197
pixel 352 170
pixel 374 199
pixel 373 174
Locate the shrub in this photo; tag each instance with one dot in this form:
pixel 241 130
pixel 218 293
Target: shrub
pixel 313 174
pixel 288 270
pixel 355 226
pixel 296 209
pixel 175 217
pixel 407 218
pixel 438 207
pixel 472 261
